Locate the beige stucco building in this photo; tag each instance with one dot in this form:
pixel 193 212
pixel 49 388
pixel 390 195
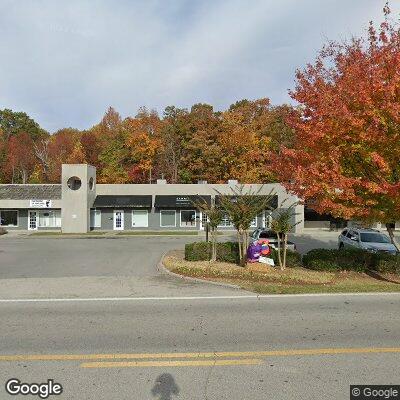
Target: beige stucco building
pixel 79 204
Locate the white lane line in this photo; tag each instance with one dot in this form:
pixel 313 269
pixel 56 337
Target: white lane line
pixel 184 298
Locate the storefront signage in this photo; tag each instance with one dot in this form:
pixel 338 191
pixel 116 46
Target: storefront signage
pixel 40 203
pixel 183 201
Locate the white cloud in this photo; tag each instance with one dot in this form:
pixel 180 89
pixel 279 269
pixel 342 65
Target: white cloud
pixel 64 63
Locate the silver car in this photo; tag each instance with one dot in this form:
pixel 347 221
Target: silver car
pixel 367 239
pixel 265 233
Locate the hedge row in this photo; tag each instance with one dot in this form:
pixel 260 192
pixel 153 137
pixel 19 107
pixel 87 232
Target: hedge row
pixel 229 252
pixel 317 259
pixel 201 251
pixel 351 259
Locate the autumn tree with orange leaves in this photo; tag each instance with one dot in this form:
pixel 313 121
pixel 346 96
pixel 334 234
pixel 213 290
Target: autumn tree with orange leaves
pixel 346 153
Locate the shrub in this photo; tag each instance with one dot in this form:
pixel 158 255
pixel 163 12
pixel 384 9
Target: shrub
pixel 320 260
pixel 293 258
pixel 198 251
pixel 228 252
pixel 201 251
pixel 350 259
pixel 338 260
pixel 387 263
pixel 354 259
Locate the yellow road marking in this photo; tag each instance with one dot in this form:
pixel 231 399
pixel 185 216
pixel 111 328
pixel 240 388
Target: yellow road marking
pixel 232 354
pixel 192 363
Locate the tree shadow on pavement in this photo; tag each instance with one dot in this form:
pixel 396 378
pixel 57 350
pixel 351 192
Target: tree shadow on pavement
pixel 165 387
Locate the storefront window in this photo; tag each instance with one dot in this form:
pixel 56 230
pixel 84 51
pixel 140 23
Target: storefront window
pixel 167 218
pixel 49 219
pixel 9 218
pixel 188 218
pixel 226 222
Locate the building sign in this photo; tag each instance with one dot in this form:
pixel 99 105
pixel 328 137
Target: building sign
pixel 180 201
pixel 183 201
pixel 40 203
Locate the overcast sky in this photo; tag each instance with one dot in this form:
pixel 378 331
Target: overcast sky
pixel 65 62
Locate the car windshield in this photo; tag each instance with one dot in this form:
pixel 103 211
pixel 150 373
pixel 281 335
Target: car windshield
pixel 374 238
pixel 268 235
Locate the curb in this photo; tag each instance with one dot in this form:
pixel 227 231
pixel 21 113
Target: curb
pixel 161 268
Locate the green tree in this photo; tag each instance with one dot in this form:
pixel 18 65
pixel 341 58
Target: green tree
pixel 282 224
pixel 214 217
pixel 174 135
pixel 13 122
pixel 243 206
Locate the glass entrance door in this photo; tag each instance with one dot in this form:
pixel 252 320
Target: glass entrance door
pixel 118 220
pixel 32 221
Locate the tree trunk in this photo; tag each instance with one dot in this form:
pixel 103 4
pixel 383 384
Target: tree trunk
pixel 279 252
pixel 24 176
pixel 240 247
pixel 391 235
pixel 213 245
pixel 244 248
pixel 284 250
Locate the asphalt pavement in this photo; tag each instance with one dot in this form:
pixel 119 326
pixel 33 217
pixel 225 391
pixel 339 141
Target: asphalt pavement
pixel 309 347
pixel 174 339
pixel 114 266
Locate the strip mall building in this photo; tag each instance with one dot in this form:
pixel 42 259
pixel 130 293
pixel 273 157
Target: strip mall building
pixel 79 205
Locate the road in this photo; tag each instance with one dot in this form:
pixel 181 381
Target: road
pixel 151 331
pixel 170 336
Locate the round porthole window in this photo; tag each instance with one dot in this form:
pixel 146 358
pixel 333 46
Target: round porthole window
pixel 91 183
pixel 74 183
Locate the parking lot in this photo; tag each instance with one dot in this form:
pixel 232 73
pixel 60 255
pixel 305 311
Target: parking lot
pixel 51 257
pixel 106 266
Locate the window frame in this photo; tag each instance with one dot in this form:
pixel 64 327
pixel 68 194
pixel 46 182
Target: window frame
pixel 52 219
pixel 95 210
pixel 10 226
pixel 142 226
pixel 226 218
pixel 167 226
pixel 188 226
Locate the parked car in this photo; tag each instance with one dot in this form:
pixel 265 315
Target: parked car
pixel 263 233
pixel 367 239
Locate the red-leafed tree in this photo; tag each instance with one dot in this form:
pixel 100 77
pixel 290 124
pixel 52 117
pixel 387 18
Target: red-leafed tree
pixel 60 148
pixel 20 161
pixel 346 153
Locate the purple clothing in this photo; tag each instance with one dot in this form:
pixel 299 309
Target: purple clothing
pixel 254 251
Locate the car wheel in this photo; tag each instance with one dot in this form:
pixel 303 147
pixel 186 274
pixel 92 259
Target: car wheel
pixel 341 246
